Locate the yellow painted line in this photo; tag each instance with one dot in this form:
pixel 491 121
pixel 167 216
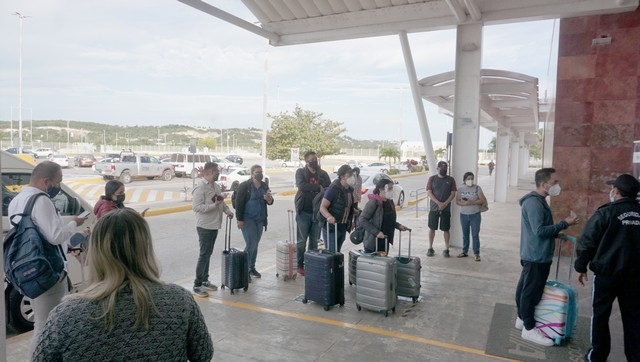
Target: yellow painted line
pixel 167 210
pixel 413 202
pixel 88 179
pixel 358 327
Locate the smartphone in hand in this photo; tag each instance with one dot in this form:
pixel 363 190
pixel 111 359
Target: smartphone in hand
pixel 84 215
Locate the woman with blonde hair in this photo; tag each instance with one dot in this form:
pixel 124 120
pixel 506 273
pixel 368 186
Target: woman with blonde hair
pixel 126 312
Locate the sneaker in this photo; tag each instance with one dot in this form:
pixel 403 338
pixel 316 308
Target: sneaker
pixel 431 252
pixel 534 335
pixel 463 255
pixel 254 273
pixel 200 292
pixel 519 323
pixel 478 257
pixel 445 253
pixel 301 271
pixel 209 287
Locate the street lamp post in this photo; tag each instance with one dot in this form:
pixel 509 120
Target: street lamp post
pixel 21 17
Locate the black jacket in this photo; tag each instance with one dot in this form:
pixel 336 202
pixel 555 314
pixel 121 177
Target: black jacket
pixel 610 241
pixel 338 204
pixel 307 191
pixel 244 193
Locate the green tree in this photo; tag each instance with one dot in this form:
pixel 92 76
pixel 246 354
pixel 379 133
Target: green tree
pixel 389 154
pixel 439 152
pixel 207 142
pixel 305 130
pixel 535 150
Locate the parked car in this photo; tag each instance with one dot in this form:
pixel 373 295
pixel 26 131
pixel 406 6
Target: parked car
pixel 43 152
pixel 292 163
pixel 224 163
pixel 61 160
pixel 235 158
pixel 352 163
pixel 84 160
pixel 369 181
pixel 376 167
pixel 12 150
pixel 15 174
pixel 231 178
pixel 131 165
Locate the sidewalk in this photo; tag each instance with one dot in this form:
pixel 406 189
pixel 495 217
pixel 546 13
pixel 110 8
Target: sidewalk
pixel 449 323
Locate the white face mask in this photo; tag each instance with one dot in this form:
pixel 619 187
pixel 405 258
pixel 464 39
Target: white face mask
pixel 351 181
pixel 469 182
pixel 554 190
pixel 611 198
pixel 389 194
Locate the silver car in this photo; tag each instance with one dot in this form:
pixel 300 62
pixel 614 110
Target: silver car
pixel 369 181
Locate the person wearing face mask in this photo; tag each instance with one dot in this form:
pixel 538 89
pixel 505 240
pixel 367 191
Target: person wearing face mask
pixel 378 218
pixel 609 247
pixel 469 198
pixel 310 181
pixel 338 209
pixel 112 199
pixel 251 212
pixel 441 190
pixel 209 206
pixel 537 244
pixel 45 178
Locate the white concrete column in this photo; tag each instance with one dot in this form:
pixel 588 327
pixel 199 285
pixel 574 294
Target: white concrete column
pixel 502 164
pixel 466 114
pixel 523 165
pixel 514 160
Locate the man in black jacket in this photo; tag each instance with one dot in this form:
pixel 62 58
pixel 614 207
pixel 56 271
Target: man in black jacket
pixel 310 180
pixel 251 212
pixel 610 245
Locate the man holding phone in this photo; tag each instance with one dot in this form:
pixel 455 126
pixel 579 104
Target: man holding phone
pixel 208 205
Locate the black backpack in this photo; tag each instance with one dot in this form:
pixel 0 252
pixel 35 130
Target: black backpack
pixel 317 215
pixel 31 263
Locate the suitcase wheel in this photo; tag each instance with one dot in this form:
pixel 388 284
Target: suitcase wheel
pixel 358 307
pixel 386 313
pixel 326 307
pixel 393 309
pixel 231 291
pixel 245 288
pixel 350 284
pixel 557 341
pixel 304 300
pixel 294 276
pixel 277 275
pixel 414 299
pixel 222 286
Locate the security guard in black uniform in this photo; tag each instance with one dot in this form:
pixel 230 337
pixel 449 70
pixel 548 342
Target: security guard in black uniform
pixel 610 245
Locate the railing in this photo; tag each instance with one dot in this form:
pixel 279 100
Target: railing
pixel 419 194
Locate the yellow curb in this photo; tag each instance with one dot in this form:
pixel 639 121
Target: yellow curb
pixel 167 210
pixel 413 202
pixel 95 179
pixel 288 192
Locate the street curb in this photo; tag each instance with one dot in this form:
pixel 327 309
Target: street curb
pixel 88 179
pixel 168 210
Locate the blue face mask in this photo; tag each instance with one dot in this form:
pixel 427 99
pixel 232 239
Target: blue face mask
pixel 53 191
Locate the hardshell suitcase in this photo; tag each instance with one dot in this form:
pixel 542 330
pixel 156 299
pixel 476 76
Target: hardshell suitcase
pixel 235 273
pixel 557 313
pixel 376 283
pixel 286 257
pixel 353 258
pixel 324 277
pixel 408 269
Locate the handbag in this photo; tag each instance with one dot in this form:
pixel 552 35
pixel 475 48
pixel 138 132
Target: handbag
pixel 357 235
pixel 485 205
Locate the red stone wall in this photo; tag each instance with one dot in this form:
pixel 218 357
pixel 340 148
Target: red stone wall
pixel 597 109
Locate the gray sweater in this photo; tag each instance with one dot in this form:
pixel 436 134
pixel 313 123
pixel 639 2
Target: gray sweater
pixel 179 333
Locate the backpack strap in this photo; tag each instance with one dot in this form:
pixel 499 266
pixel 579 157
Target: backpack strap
pixel 28 208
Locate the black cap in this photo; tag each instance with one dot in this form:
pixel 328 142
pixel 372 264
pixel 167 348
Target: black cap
pixel 344 169
pixel 442 164
pixel 626 183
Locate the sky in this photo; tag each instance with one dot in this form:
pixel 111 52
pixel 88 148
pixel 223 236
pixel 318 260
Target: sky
pixel 154 62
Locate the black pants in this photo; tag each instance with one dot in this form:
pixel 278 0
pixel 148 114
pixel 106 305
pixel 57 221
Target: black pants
pixel 529 291
pixel 207 239
pixel 605 290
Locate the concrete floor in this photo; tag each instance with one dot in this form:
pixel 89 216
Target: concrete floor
pixel 449 323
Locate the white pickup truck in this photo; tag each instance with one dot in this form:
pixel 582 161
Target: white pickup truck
pixel 131 166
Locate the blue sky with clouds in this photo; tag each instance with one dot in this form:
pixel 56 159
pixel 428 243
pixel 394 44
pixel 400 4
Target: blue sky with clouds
pixel 150 62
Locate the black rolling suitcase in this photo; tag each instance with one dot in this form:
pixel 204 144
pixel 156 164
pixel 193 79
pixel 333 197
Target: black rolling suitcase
pixel 324 277
pixel 235 273
pixel 409 269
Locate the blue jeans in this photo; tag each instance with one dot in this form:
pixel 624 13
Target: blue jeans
pixel 307 228
pixel 329 240
pixel 471 223
pixel 252 232
pixel 207 239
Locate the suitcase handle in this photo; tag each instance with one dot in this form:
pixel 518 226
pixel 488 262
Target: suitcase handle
pixel 291 227
pixel 227 233
pixel 400 243
pixel 335 233
pixel 572 239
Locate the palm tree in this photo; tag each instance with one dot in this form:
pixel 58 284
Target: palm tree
pixel 389 154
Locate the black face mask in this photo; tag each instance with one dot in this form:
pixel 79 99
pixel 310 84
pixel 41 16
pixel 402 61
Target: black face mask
pixel 120 199
pixel 258 176
pixel 314 165
pixel 53 191
pixel 443 172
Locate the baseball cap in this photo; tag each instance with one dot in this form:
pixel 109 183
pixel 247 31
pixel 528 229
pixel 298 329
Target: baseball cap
pixel 442 164
pixel 626 183
pixel 344 169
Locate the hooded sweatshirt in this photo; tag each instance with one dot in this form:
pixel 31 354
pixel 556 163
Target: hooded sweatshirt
pixel 537 231
pixel 103 206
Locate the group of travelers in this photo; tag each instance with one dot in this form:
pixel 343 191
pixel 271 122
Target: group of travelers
pixel 125 302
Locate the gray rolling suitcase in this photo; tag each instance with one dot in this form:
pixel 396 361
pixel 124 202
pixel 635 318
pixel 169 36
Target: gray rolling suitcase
pixel 376 283
pixel 353 260
pixel 409 268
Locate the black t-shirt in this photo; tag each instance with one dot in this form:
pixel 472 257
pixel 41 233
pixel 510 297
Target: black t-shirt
pixel 441 187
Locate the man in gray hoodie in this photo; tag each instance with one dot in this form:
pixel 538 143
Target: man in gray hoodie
pixel 537 244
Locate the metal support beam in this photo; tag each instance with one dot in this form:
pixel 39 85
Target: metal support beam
pixel 417 101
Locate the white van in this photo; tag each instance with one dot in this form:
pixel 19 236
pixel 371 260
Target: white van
pixel 187 164
pixel 15 174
